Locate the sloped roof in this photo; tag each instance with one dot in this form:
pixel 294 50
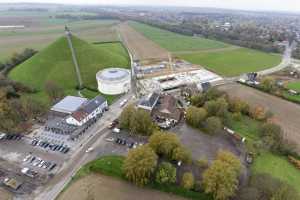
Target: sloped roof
pixel 88 108
pixel 150 100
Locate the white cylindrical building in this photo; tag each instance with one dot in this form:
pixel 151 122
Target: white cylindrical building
pixel 113 81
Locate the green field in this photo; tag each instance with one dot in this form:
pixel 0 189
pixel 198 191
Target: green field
pixel 233 62
pixel 176 42
pixel 44 31
pixel 247 127
pixel 294 86
pixel 54 63
pixel 278 167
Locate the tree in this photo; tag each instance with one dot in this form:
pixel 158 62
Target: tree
pixel 163 143
pixel 166 173
pixel 220 180
pixel 213 125
pixel 187 181
pixel 195 116
pixel 268 84
pixel 272 136
pixel 126 115
pixel 141 123
pixel 258 113
pixel 140 164
pixel 180 153
pixel 236 105
pixel 198 100
pixel 53 91
pixel 230 159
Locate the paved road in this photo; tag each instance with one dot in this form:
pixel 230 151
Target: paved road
pixel 286 61
pixel 79 157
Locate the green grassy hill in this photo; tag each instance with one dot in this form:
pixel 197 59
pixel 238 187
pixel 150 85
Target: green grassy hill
pixel 54 63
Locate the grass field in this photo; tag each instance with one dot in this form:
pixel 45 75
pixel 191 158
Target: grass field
pixel 39 33
pixel 54 63
pixel 247 127
pixel 294 86
pixel 176 42
pixel 278 167
pixel 233 62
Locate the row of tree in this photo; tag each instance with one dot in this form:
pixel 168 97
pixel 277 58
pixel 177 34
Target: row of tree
pixel 16 59
pixel 219 179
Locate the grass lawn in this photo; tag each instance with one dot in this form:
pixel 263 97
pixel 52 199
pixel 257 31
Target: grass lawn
pixel 54 63
pixel 247 127
pixel 112 166
pixel 233 62
pixel 294 86
pixel 278 167
pixel 176 42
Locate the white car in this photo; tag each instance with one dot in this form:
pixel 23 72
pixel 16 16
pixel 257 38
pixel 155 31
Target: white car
pixel 27 158
pixel 110 139
pixel 123 103
pixel 89 150
pixel 41 164
pixel 116 130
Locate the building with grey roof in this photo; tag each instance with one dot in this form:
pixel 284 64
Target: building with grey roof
pixel 87 111
pixel 69 104
pixel 148 102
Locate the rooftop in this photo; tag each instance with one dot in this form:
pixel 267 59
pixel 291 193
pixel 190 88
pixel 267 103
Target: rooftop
pixel 112 74
pixel 69 104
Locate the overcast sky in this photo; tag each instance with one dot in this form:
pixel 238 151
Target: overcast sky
pixel 280 5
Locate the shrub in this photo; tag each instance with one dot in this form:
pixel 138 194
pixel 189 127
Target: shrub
pixel 187 181
pixel 294 161
pixel 213 125
pixel 166 173
pixel 202 163
pixel 140 164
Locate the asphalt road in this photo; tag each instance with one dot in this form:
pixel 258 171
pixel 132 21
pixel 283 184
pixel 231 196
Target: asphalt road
pixel 98 133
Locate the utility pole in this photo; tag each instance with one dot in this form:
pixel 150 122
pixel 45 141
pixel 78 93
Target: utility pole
pixel 74 58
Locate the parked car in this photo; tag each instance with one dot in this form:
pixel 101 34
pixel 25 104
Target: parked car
pixel 27 158
pixel 52 166
pixel 116 130
pixel 110 139
pixel 89 150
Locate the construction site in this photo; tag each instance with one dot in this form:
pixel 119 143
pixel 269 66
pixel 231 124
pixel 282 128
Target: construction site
pixel 155 69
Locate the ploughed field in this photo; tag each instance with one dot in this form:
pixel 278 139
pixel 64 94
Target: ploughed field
pixel 98 187
pixel 287 114
pixel 222 58
pixel 41 29
pixel 139 46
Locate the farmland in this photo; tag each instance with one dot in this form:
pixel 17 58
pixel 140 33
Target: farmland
pixel 42 29
pixel 176 42
pixel 233 62
pixel 141 47
pixel 224 59
pixel 54 63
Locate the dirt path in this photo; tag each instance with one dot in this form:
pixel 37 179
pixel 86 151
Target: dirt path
pixel 287 114
pixel 99 187
pixel 208 50
pixel 4 195
pixel 141 47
